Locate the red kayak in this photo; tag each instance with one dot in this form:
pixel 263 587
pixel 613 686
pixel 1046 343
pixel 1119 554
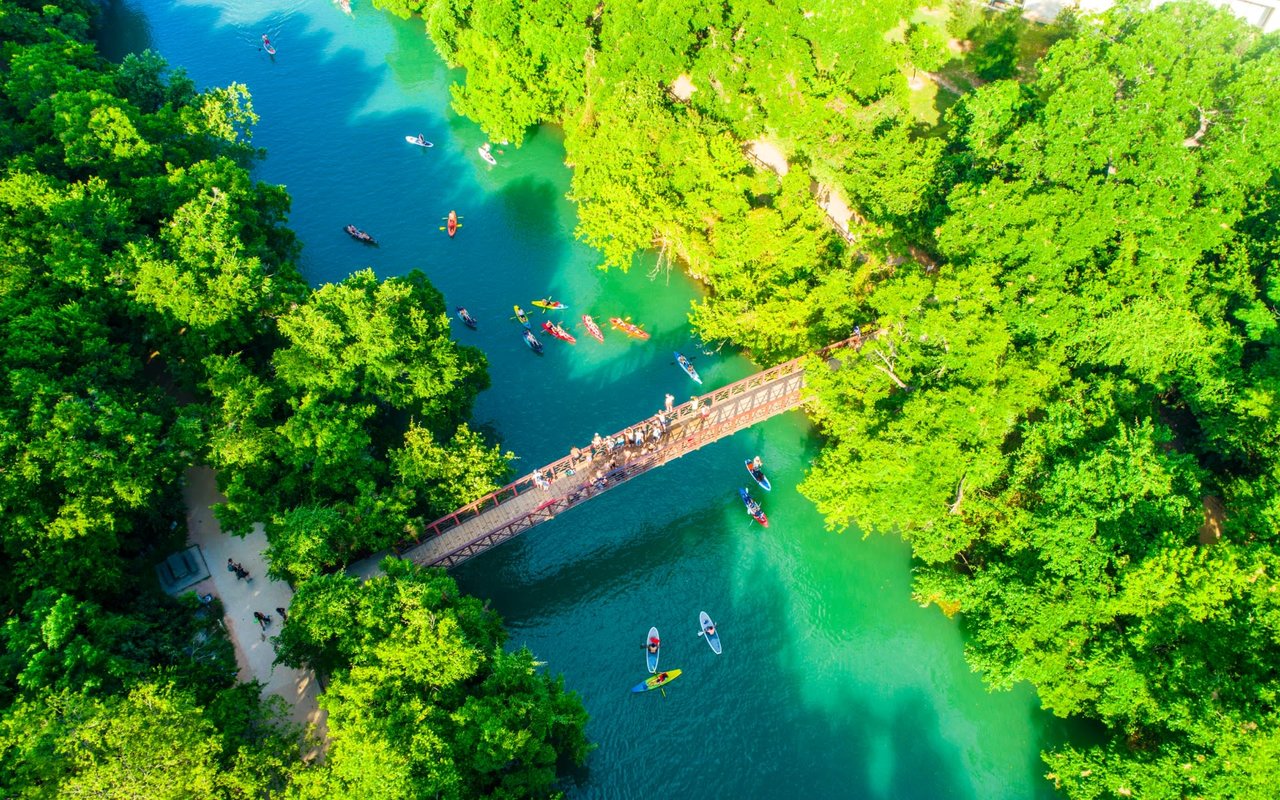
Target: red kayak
pixel 628 328
pixel 452 224
pixel 592 328
pixel 558 332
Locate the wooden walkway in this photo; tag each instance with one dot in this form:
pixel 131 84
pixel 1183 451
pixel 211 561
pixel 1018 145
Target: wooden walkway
pixel 550 491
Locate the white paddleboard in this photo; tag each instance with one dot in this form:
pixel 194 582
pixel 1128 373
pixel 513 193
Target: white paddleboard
pixel 414 140
pixel 713 639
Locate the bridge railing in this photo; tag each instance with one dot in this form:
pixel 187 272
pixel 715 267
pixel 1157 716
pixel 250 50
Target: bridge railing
pixel 667 449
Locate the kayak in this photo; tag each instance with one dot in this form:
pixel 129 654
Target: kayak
pixel 452 224
pixel 345 5
pixel 758 474
pixel 359 235
pixel 688 368
pixel 483 150
pixel 466 318
pixel 713 639
pixel 266 45
pixel 753 508
pixel 628 328
pixel 651 659
pixel 532 341
pixel 417 141
pixel 522 317
pixel 593 328
pixel 550 305
pixel 654 682
pixel 558 332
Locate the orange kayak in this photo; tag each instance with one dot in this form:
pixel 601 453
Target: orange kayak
pixel 627 328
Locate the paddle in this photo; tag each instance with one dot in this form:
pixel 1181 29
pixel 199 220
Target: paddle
pixel 442 227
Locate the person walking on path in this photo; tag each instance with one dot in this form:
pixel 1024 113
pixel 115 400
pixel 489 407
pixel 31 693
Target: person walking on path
pixel 262 619
pixel 284 617
pixel 238 569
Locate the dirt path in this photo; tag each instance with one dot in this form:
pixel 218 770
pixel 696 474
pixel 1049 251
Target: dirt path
pixel 255 650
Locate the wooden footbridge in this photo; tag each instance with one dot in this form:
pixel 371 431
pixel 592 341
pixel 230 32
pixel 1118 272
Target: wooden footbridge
pixel 596 468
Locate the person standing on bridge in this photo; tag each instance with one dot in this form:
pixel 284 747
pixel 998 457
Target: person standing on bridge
pixel 670 402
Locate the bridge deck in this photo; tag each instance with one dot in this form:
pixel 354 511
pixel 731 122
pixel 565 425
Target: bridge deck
pixel 543 494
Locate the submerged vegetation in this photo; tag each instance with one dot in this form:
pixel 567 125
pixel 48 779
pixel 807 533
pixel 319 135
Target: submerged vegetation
pixel 1069 408
pixel 154 318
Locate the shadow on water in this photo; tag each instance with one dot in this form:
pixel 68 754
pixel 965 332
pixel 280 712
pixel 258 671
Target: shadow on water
pixel 127 27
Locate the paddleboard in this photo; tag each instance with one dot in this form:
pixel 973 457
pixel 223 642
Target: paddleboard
pixel 759 476
pixel 653 683
pixel 414 140
pixel 713 639
pixel 651 658
pixel 266 45
pixel 486 155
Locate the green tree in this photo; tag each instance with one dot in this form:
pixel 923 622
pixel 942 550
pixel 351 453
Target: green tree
pixel 423 693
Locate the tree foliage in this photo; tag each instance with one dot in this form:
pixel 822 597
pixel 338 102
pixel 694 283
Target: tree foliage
pixel 1073 368
pixel 153 316
pixel 404 649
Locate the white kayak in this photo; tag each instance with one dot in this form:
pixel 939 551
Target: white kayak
pixel 415 140
pixel 486 155
pixel 713 639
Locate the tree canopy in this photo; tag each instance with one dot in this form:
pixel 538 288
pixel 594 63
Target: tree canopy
pixel 154 318
pixel 1067 406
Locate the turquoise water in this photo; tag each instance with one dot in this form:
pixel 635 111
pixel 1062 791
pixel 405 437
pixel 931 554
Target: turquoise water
pixel 832 683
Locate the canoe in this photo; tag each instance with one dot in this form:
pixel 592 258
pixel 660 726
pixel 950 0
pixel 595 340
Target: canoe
pixel 466 318
pixel 550 305
pixel 532 341
pixel 593 328
pixel 713 639
pixel 558 332
pixel 628 328
pixel 483 150
pixel 359 235
pixel 688 368
pixel 653 683
pixel 266 45
pixel 759 476
pixel 753 508
pixel 452 224
pixel 651 659
pixel 414 140
pixel 522 317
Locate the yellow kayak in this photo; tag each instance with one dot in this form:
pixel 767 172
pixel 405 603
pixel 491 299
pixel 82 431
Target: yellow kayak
pixel 661 679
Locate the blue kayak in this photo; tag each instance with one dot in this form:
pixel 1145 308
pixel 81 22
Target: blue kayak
pixel 532 341
pixel 688 368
